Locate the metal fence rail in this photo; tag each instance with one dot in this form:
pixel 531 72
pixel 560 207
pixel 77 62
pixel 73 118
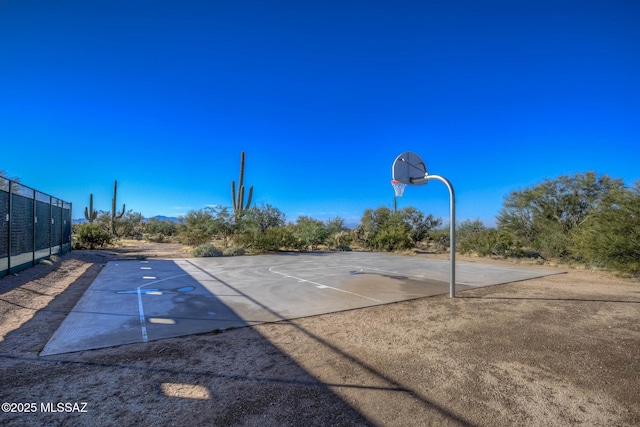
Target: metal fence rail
pixel 33 225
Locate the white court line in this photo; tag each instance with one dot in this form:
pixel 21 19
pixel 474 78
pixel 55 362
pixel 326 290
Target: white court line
pixel 420 276
pixel 320 285
pixel 387 271
pixel 143 323
pixel 350 266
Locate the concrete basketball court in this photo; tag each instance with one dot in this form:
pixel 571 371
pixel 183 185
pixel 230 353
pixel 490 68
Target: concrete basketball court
pixel 138 301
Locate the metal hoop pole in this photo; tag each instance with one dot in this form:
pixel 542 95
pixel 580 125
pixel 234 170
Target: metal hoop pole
pixel 452 232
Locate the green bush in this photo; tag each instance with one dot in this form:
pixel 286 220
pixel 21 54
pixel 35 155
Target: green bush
pixel 474 237
pixel 155 238
pixel 545 217
pixel 310 232
pixel 196 228
pixel 340 239
pixel 206 250
pixel 262 218
pixel 261 229
pixel 91 236
pixel 392 238
pixel 273 239
pixel 385 230
pixel 161 226
pixel 130 226
pixel 159 230
pixel 610 237
pixel 234 251
pixel 335 225
pixel 468 236
pixel 417 224
pixel 224 225
pixel 440 239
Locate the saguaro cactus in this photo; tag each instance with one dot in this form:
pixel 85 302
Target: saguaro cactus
pixel 239 208
pixel 89 213
pixel 114 214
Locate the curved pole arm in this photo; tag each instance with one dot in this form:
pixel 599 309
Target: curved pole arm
pixel 452 227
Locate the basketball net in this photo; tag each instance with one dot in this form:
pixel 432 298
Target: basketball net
pixel 398 187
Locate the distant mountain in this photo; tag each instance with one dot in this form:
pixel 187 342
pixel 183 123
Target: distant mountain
pixel 164 218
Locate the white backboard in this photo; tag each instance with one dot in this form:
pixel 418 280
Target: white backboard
pixel 408 167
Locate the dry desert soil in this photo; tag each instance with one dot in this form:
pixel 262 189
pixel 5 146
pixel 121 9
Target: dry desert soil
pixel 563 350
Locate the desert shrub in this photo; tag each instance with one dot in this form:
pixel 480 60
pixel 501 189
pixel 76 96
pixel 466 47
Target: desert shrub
pixel 335 225
pixel 196 228
pixel 267 241
pixel 130 226
pixel 286 238
pixel 610 237
pixel 262 229
pixel 91 236
pixel 159 231
pixel 224 224
pixel 161 226
pixel 381 229
pixel 475 237
pixel 274 239
pixel 554 242
pixel 385 230
pixel 392 238
pixel 439 239
pixel 486 242
pixel 244 239
pixel 467 235
pixel 546 216
pixel 362 235
pixel 340 239
pixel 261 242
pixel 234 251
pixel 156 238
pixel 103 221
pixel 310 232
pixel 417 223
pixel 206 250
pixel 262 217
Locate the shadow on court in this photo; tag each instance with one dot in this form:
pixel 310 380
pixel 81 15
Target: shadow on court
pixel 139 301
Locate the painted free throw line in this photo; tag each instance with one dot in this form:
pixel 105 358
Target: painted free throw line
pixel 320 285
pixel 143 322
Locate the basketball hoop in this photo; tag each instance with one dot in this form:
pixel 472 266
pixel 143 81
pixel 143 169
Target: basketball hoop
pixel 398 187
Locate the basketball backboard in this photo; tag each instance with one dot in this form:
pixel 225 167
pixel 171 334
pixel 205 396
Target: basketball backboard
pixel 408 168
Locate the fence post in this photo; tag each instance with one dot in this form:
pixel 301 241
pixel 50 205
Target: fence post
pixel 70 225
pixel 62 221
pixel 49 223
pixel 9 228
pixel 34 221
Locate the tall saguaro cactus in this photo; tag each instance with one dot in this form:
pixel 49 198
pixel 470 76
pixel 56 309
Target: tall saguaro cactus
pixel 89 213
pixel 114 214
pixel 239 208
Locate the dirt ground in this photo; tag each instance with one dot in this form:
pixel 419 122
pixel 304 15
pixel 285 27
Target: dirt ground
pixel 562 350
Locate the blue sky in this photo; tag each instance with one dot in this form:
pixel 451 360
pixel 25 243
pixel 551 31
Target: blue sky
pixel 322 96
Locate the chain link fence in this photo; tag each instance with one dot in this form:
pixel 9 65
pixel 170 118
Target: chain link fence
pixel 33 226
